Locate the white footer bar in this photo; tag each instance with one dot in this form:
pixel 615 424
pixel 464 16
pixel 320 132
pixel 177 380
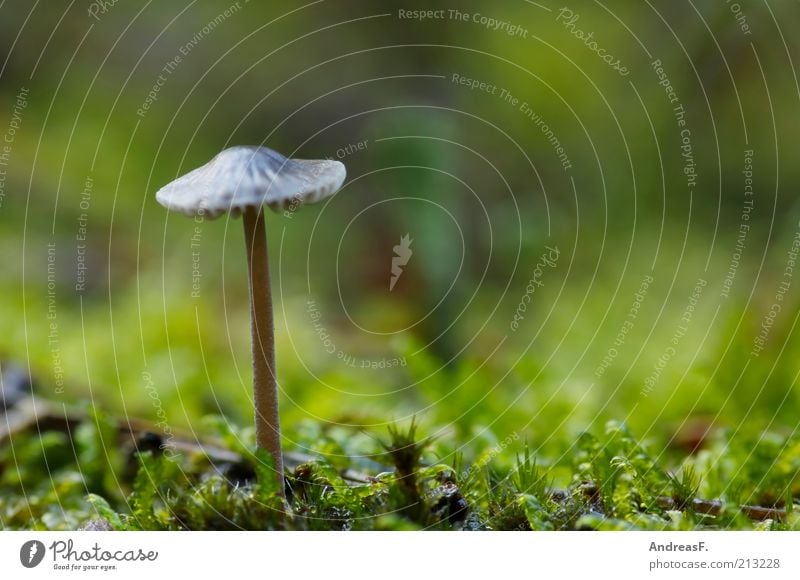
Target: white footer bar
pixel 400 555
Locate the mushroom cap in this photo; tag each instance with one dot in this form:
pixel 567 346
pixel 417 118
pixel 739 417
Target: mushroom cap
pixel 246 176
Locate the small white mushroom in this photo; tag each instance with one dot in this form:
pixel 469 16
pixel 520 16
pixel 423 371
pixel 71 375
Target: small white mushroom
pixel 242 180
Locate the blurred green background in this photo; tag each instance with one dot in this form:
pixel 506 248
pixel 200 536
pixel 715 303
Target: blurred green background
pixel 557 149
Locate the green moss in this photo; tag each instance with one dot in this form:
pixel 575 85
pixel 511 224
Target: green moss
pixel 50 482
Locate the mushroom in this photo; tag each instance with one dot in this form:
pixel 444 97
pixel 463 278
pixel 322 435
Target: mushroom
pixel 242 180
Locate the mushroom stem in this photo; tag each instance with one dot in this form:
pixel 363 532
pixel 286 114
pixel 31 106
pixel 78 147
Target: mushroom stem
pixel 265 386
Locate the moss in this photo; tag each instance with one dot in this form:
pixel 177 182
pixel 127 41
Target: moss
pixel 54 482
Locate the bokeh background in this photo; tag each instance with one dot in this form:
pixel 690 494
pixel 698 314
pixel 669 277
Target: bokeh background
pixel 665 288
